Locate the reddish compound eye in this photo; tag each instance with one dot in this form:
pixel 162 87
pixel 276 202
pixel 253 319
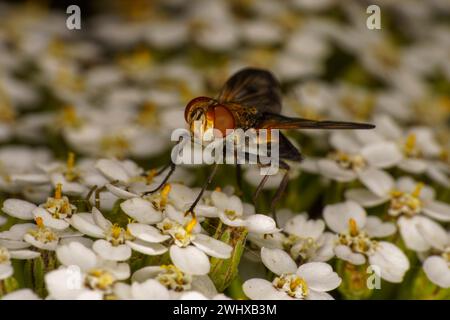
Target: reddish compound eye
pixel 197 102
pixel 223 119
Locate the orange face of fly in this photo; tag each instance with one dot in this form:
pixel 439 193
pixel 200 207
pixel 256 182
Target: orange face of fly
pixel 205 113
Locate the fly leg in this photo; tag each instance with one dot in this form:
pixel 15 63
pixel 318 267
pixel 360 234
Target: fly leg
pixel 166 178
pixel 259 188
pixel 199 196
pixel 280 190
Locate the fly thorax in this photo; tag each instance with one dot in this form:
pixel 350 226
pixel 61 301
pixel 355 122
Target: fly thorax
pixel 174 279
pixel 293 285
pixel 348 161
pixel 405 203
pixel 5 257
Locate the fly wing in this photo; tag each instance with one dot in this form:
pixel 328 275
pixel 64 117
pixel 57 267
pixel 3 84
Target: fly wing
pixel 277 121
pixel 251 87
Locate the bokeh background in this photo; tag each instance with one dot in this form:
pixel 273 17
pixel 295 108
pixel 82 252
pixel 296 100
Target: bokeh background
pixel 118 86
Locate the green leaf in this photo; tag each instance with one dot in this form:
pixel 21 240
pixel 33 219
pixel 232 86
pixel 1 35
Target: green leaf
pixel 223 271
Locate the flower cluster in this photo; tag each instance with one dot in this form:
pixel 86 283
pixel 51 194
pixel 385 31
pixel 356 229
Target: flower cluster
pixel 85 124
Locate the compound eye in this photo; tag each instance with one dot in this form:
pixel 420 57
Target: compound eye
pixel 193 104
pixel 223 119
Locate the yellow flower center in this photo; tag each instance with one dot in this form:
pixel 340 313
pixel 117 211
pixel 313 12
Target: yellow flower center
pixel 410 147
pixel 42 233
pixel 356 239
pixel 99 279
pixel 182 236
pixel 59 206
pixel 403 203
pixel 4 256
pixel 118 235
pixel 292 285
pixel 174 279
pixel 349 162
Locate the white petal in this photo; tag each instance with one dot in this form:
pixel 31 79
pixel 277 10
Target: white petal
pixel 437 270
pixel 24 254
pixel 316 295
pixel 346 254
pixel 190 260
pixel 260 223
pixel 100 220
pixel 51 246
pixel 212 247
pixel 332 170
pixel 149 290
pixel 438 175
pixel 377 181
pixel 49 220
pixel 152 249
pixel 84 222
pixel 22 294
pixel 17 231
pixel 379 229
pixel 141 210
pixel 391 261
pixel 6 271
pixel 437 210
pixel 112 169
pixel 300 226
pixel 146 232
pixel 415 166
pixel 75 253
pixel 223 202
pixel 365 197
pixel 319 276
pixel 410 233
pixel 146 273
pixel 64 283
pixel 382 155
pixel 20 209
pixel 337 216
pixel 119 192
pixel 433 233
pixel 278 261
pixel 260 289
pixel 109 252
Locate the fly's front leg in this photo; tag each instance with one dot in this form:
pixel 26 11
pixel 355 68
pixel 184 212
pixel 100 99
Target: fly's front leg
pixel 166 178
pixel 281 189
pixel 199 196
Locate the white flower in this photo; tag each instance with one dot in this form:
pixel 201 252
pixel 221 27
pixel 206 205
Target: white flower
pixel 190 249
pixel 21 294
pixel 6 269
pixel 168 280
pixel 310 281
pixel 354 161
pixel 355 241
pixel 230 210
pixel 114 242
pixel 83 274
pixel 411 203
